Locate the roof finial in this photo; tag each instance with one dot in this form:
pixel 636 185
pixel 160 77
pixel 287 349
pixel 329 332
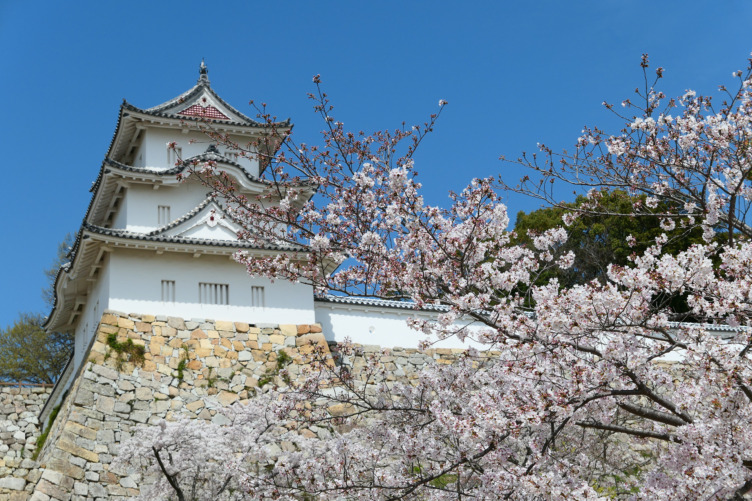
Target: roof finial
pixel 203 73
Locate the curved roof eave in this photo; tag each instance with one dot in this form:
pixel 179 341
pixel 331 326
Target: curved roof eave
pixel 204 85
pixel 128 110
pixel 63 269
pixel 214 121
pixel 110 166
pixel 178 169
pixel 158 237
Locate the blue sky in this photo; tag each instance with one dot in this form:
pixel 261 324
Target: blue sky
pixel 514 73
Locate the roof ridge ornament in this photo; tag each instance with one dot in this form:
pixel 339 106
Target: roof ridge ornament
pixel 203 74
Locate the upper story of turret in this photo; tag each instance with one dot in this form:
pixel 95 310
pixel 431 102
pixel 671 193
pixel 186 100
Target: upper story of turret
pixel 143 136
pixel 138 187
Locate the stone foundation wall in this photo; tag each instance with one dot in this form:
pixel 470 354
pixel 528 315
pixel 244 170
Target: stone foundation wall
pixel 19 429
pixel 189 367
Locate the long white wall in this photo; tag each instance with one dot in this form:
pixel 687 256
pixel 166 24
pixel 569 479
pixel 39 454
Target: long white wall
pixel 373 325
pixel 136 286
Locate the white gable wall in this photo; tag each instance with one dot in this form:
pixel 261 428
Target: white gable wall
pixel 218 232
pixel 136 286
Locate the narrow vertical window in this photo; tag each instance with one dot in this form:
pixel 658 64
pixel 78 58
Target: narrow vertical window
pixel 213 293
pixel 257 297
pixel 174 155
pixel 168 291
pixel 163 214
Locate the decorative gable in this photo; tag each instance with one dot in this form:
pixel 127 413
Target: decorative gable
pixel 211 227
pixel 203 109
pixel 207 221
pixel 203 103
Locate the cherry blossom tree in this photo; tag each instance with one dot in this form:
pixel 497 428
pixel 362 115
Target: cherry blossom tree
pixel 688 151
pixel 586 392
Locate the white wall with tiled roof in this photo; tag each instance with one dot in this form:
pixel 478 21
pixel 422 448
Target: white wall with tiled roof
pixel 136 286
pixel 191 144
pixel 377 322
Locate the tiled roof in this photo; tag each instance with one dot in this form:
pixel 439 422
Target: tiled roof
pixel 202 85
pixel 189 215
pixel 380 303
pixel 186 217
pixel 244 123
pixel 63 269
pixel 210 155
pixel 410 305
pixel 158 237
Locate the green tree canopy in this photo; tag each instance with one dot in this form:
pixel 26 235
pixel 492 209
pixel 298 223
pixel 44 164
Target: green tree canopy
pixel 27 352
pixel 30 354
pixel 598 236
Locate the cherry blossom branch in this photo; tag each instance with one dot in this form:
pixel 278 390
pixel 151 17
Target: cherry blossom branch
pixel 170 478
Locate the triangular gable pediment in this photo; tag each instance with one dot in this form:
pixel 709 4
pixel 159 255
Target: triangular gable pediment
pixel 205 105
pixel 207 111
pixel 202 102
pixel 208 221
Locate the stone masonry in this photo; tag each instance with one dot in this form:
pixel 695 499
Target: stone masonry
pixel 19 429
pixel 190 367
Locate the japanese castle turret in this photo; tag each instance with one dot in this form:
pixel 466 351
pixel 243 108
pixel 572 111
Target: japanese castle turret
pixel 155 245
pixel 150 243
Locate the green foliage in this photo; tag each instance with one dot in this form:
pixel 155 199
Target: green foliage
pixel 440 482
pixel 283 360
pixel 29 354
pixel 600 239
pixel 181 369
pixel 43 437
pixel 616 486
pixel 182 364
pixel 443 481
pixel 211 380
pixel 264 380
pixel 127 351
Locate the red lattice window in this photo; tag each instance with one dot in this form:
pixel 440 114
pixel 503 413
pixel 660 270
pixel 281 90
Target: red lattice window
pixel 209 112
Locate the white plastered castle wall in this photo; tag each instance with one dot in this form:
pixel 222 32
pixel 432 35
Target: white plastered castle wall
pixel 97 302
pixel 136 286
pixel 121 215
pixel 140 205
pixel 154 148
pixel 382 326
